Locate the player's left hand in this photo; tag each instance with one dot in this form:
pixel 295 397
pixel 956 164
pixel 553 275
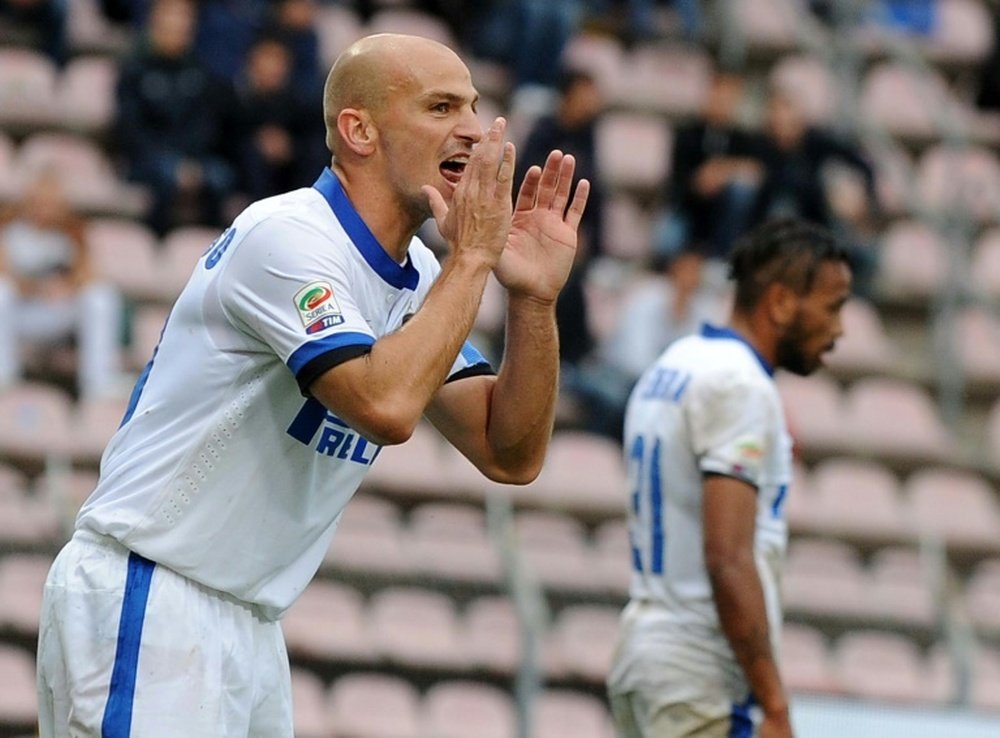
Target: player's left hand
pixel 541 246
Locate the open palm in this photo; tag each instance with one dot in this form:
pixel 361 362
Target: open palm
pixel 542 241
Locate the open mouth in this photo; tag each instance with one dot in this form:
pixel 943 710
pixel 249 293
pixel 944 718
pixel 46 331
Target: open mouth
pixel 453 168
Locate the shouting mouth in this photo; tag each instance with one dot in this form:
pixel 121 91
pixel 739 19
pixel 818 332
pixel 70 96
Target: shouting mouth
pixel 453 168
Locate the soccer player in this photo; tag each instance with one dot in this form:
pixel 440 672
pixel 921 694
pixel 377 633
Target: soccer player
pixel 710 463
pixel 314 331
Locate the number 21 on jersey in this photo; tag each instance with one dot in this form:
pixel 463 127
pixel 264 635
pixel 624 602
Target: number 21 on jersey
pixel 646 528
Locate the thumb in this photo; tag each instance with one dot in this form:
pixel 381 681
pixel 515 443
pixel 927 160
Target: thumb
pixel 439 207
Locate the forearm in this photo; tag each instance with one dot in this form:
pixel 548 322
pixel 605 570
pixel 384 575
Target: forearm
pixel 739 601
pixel 522 406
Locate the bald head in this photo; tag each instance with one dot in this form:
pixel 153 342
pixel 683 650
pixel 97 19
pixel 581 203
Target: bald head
pixel 366 75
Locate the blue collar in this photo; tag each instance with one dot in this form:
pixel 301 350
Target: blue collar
pixel 401 277
pixel 711 331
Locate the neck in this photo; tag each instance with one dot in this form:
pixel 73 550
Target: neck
pixel 385 216
pixel 757 333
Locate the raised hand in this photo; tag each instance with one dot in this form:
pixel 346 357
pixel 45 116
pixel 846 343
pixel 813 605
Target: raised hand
pixel 542 242
pixel 479 218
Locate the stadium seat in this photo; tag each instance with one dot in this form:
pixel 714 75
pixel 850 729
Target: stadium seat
pixel 95 420
pixel 27 88
pixel 941 675
pixel 856 498
pixel 179 253
pixel 806 664
pixel 85 92
pixel 982 595
pixel 88 30
pixel 809 81
pixel 370 539
pixel 865 347
pixel 27 521
pixel 668 79
pixel 492 313
pixel 491 635
pixel 627 229
pixel 458 709
pixel 555 549
pixel 337 26
pixel 34 421
pixel 985 268
pixel 894 178
pixel 612 551
pixel 599 54
pixel 814 408
pixel 897 419
pixel 583 472
pixel 962 33
pixel 957 507
pixel 978 337
pixel 770 25
pixel 147 327
pixel 907 102
pixel 10 183
pixel 993 434
pixel 986 679
pixel 413 22
pixel 417 628
pixel 960 179
pixel 12 481
pixel 585 638
pixel 367 705
pixel 881 666
pixel 22 578
pixel 913 261
pixel 309 705
pixel 562 713
pixel 328 622
pixel 825 578
pixel 901 587
pixel 633 151
pixel 123 252
pixel 450 541
pixel 415 470
pixel 18 698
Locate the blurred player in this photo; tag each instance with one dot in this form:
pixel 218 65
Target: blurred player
pixel 314 331
pixel 710 463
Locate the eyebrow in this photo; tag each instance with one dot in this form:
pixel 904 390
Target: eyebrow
pixel 449 96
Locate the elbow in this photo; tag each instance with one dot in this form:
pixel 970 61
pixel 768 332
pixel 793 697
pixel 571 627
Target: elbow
pixel 517 472
pixel 385 424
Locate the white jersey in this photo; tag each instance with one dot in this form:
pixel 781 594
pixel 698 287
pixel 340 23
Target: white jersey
pixel 224 469
pixel 708 405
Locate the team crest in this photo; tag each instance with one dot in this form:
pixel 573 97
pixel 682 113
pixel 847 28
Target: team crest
pixel 318 307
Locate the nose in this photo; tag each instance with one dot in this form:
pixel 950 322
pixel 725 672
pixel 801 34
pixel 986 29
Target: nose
pixel 469 127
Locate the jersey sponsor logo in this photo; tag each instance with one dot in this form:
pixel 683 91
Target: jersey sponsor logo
pixel 317 427
pixel 318 308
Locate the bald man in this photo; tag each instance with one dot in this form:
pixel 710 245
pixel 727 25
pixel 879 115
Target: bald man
pixel 316 330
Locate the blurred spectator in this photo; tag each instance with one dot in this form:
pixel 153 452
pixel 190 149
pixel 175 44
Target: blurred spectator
pixel 294 22
pixel 571 130
pixel 988 97
pixel 275 134
pixel 42 22
pixel 797 161
pixel 168 124
pixel 714 179
pixel 47 297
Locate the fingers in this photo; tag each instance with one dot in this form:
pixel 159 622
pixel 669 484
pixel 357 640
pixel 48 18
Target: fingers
pixel 489 161
pixel 563 183
pixel 505 175
pixel 549 180
pixel 575 212
pixel 529 188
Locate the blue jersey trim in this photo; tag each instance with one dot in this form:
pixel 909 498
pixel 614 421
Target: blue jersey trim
pixel 117 722
pixel 309 351
pixel 711 331
pixel 401 277
pixel 740 722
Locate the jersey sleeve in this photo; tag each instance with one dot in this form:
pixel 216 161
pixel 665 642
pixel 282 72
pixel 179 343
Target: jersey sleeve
pixel 288 286
pixel 730 421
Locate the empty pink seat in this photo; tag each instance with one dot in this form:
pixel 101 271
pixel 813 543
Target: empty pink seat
pixel 913 260
pixel 309 705
pixel 599 54
pixel 12 481
pixel 582 471
pixel 451 541
pixel 414 22
pixel 894 178
pixel 906 101
pixel 960 179
pixel 825 578
pixel 457 709
pixel 86 92
pixel 555 549
pixel 667 79
pixel 982 594
pixel 567 714
pixel 993 430
pixel 416 627
pixel 633 150
pixel 95 420
pixel 978 337
pixel 986 679
pixel 962 32
pixel 18 698
pixel 865 347
pixel 809 81
pixel 902 588
pixel 179 253
pixel 955 506
pixel 627 229
pixel 34 421
pixel 328 622
pixel 147 326
pixel 859 498
pixel 22 578
pixel 415 469
pixel 881 666
pixel 64 492
pixel 365 705
pixel 814 409
pixel 585 637
pixel 370 538
pixel 27 87
pixel 806 664
pixel 985 268
pixel 770 24
pixel 28 520
pixel 896 418
pixel 612 552
pixel 491 635
pixel 123 252
pixel 337 26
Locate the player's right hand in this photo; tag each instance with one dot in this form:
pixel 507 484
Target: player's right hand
pixel 478 221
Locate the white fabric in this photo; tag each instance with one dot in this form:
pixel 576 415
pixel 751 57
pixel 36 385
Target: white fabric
pixel 708 404
pixel 209 665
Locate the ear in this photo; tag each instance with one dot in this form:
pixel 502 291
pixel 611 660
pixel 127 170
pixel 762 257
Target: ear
pixel 781 303
pixel 357 130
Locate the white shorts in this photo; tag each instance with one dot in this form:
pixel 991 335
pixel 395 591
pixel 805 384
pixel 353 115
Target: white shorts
pixel 129 648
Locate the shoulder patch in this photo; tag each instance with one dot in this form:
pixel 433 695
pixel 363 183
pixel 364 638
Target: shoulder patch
pixel 317 306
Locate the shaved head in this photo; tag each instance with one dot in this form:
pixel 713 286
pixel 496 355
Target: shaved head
pixel 366 75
